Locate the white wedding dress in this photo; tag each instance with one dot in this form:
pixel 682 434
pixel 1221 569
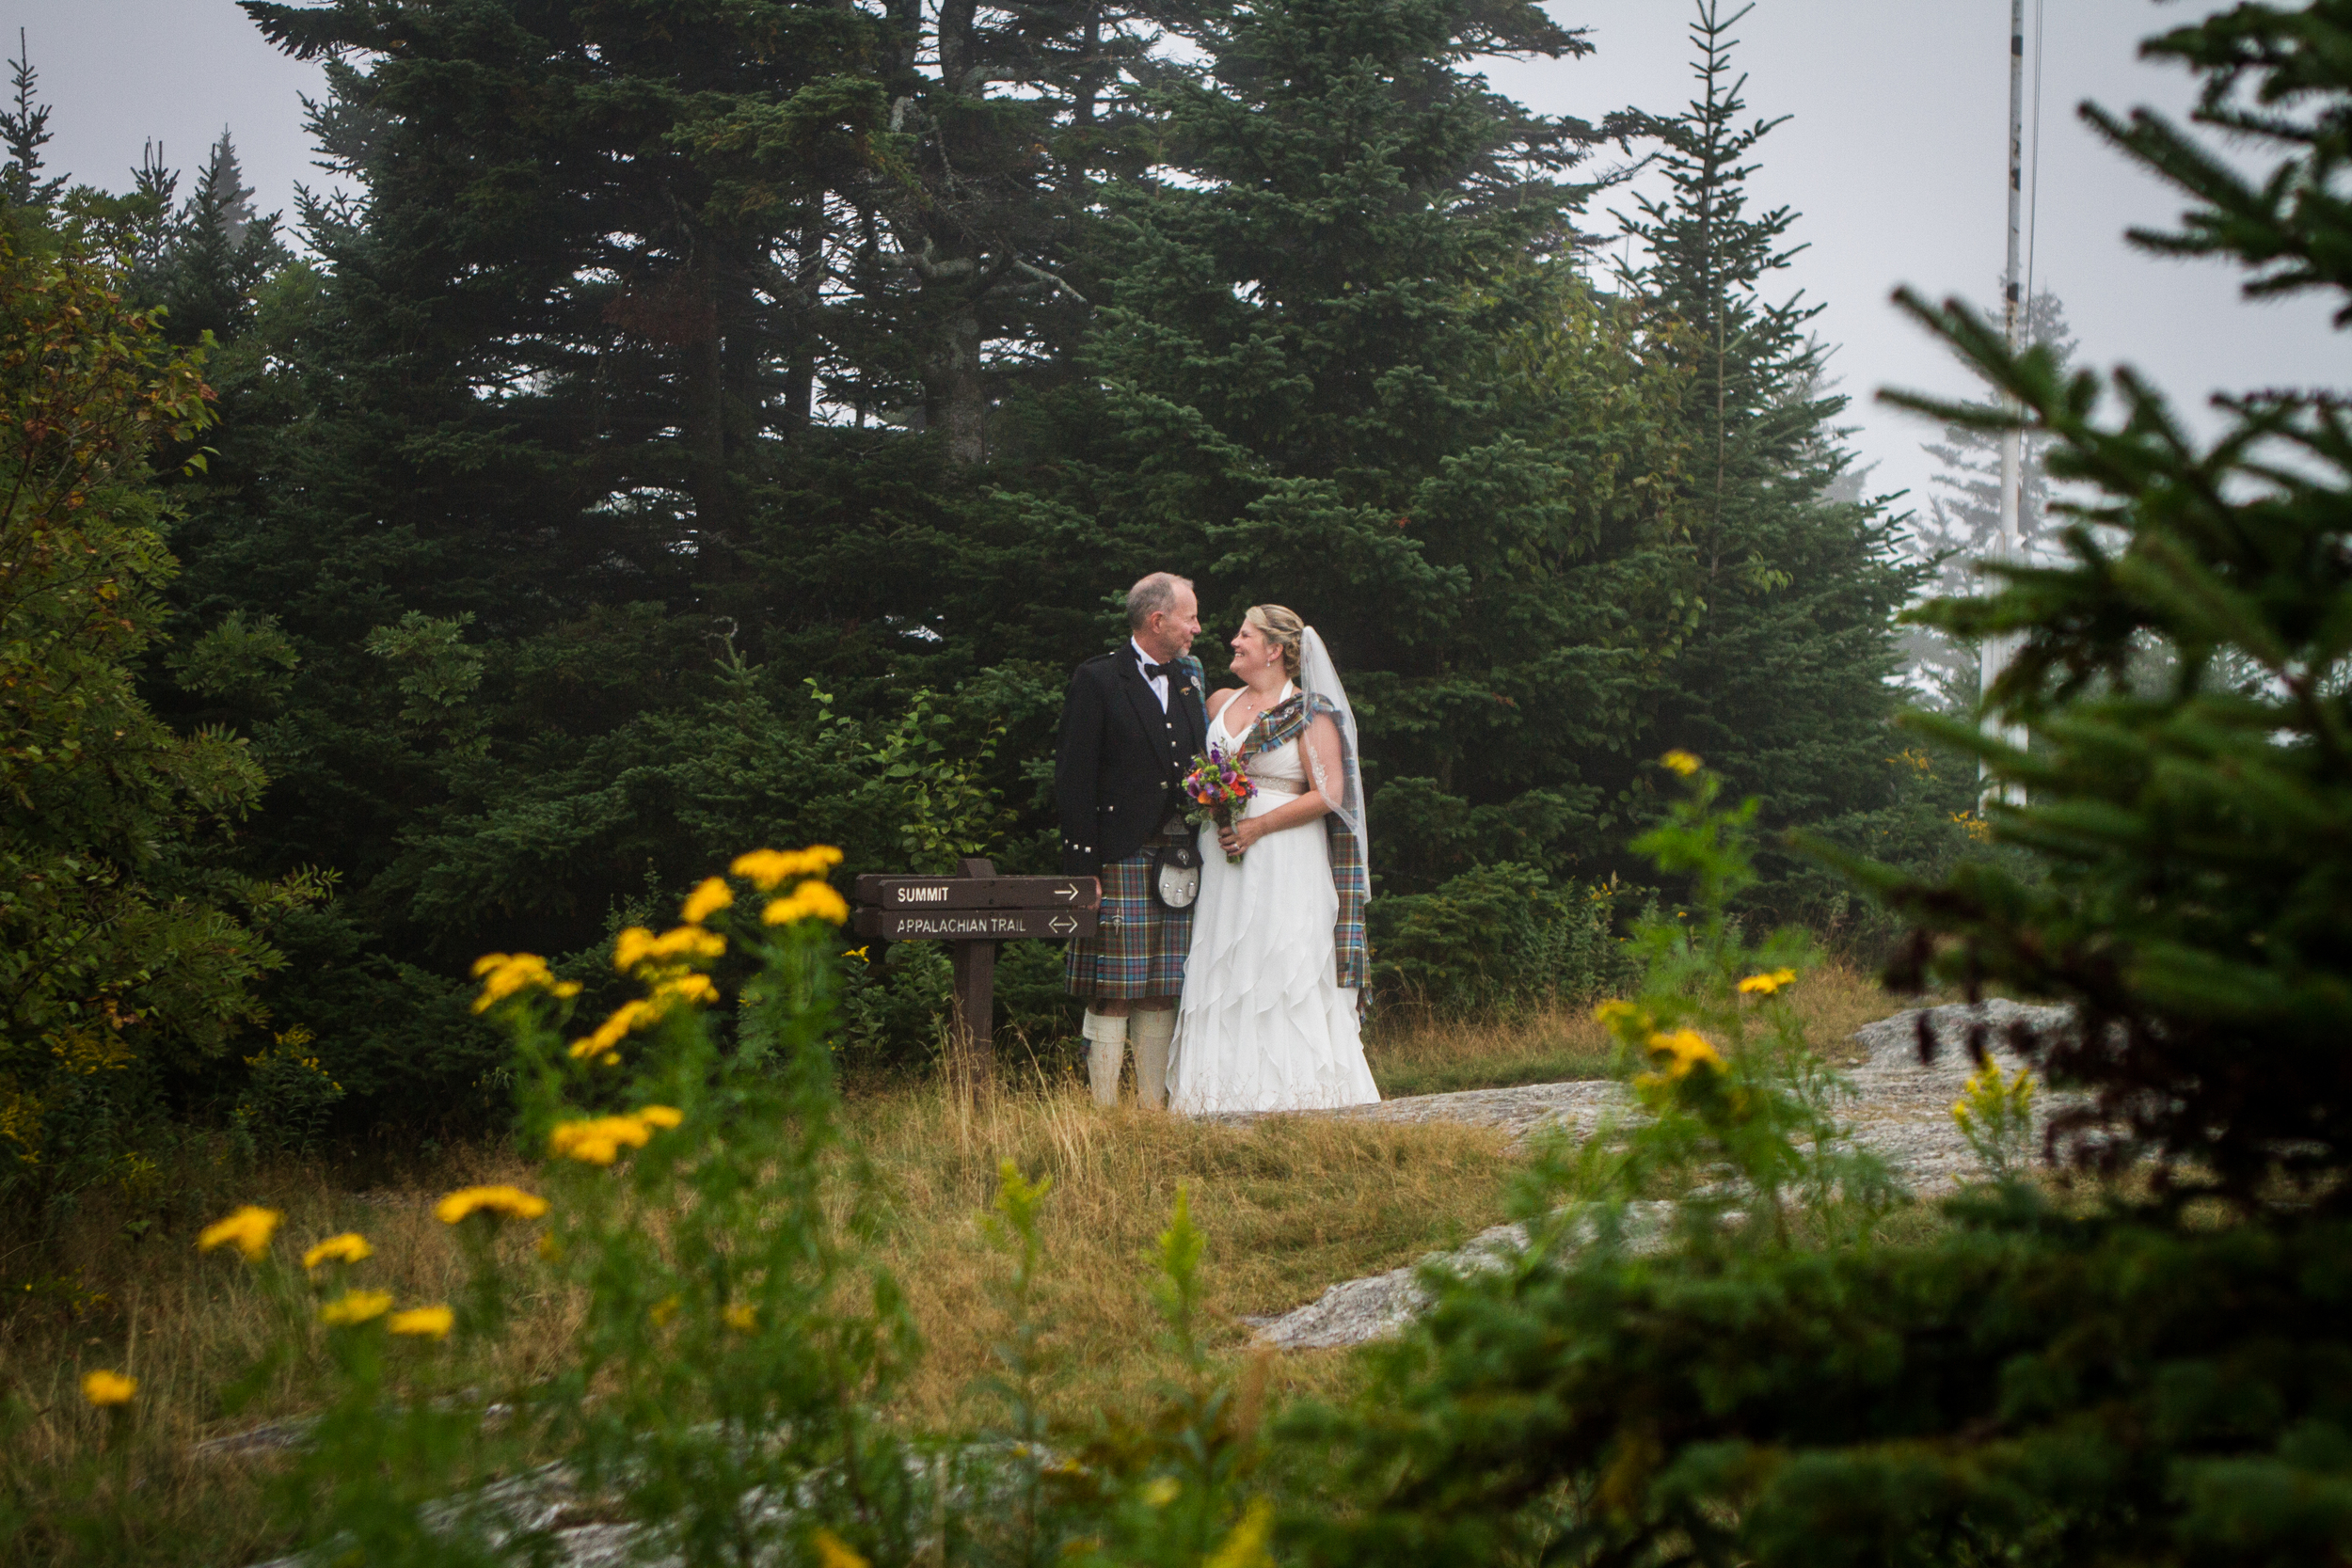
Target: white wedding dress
pixel 1263 1023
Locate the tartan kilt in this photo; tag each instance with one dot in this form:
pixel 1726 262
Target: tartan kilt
pixel 1138 948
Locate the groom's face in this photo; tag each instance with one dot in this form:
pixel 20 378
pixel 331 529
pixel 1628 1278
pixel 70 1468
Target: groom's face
pixel 1174 627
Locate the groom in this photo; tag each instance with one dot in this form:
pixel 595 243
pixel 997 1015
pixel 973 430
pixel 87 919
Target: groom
pixel 1132 724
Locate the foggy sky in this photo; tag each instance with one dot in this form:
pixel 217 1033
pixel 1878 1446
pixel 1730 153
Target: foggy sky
pixel 1894 156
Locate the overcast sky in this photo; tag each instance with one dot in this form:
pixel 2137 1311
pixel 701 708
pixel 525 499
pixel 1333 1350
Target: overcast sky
pixel 1894 155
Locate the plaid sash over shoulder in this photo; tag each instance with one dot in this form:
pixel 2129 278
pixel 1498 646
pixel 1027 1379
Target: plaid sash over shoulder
pixel 1350 876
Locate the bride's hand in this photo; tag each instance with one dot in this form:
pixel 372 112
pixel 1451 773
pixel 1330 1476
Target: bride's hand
pixel 1240 835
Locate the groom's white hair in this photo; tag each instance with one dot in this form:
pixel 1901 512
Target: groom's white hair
pixel 1152 595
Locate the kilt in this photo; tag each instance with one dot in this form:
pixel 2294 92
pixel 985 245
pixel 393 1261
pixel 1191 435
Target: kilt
pixel 1137 949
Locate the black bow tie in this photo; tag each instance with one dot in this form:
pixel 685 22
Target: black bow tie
pixel 1159 672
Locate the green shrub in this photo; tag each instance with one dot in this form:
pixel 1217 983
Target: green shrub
pixel 1495 936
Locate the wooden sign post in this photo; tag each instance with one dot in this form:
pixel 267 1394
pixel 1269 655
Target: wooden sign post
pixel 973 911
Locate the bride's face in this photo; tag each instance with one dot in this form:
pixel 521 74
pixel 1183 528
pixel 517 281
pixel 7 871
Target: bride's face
pixel 1253 652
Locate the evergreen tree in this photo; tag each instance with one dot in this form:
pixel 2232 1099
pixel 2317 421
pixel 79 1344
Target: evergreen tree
pixel 219 255
pixel 1350 363
pixel 24 131
pixel 1781 674
pixel 1963 518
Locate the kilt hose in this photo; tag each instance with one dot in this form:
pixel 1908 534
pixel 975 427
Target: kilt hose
pixel 1137 949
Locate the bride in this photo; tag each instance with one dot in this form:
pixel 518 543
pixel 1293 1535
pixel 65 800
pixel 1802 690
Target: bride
pixel 1267 1019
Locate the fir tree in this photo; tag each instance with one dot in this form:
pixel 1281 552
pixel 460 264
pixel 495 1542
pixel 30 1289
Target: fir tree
pixel 1351 364
pixel 1963 522
pixel 1782 678
pixel 24 131
pixel 219 254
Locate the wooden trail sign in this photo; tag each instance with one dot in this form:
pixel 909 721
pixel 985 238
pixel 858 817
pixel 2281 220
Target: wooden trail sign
pixel 979 892
pixel 973 911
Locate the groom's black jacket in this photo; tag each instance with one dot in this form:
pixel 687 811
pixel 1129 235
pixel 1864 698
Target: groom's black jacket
pixel 1122 759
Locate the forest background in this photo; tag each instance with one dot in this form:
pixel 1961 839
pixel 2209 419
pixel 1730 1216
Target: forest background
pixel 714 425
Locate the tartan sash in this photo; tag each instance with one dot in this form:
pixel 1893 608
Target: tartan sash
pixel 1350 876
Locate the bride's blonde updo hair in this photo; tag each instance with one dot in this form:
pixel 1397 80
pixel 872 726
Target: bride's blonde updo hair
pixel 1280 627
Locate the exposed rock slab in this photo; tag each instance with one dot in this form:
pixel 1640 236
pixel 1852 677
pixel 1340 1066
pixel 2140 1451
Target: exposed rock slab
pixel 1902 1110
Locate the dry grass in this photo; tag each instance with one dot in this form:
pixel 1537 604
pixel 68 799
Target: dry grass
pixel 1418 1055
pixel 1290 1205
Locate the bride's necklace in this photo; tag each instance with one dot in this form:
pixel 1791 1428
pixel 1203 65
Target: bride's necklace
pixel 1247 702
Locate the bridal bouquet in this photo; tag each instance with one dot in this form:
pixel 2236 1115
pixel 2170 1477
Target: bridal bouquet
pixel 1220 787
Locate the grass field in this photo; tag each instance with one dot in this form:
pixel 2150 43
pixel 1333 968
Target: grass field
pixel 1290 1205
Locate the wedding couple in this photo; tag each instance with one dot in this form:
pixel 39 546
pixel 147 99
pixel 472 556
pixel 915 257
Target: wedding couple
pixel 1242 998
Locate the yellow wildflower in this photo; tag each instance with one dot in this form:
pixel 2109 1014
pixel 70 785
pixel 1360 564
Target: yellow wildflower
pixel 834 1552
pixel 742 1317
pixel 349 1247
pixel 104 1388
pixel 423 1322
pixel 248 1231
pixel 1608 1013
pixel 660 1116
pixel 810 900
pixel 768 868
pixel 693 988
pixel 663 1310
pixel 1162 1491
pixel 597 1140
pixel 1764 985
pixel 638 945
pixel 1688 1049
pixel 707 900
pixel 1681 762
pixel 1245 1548
pixel 498 1200
pixel 628 1016
pixel 355 1306
pixel 504 975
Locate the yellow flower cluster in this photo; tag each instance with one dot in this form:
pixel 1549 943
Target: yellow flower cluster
pixel 496 1200
pixel 602 1041
pixel 1683 762
pixel 768 869
pixel 742 1319
pixel 1684 1050
pixel 684 944
pixel 349 1247
pixel 506 974
pixel 809 901
pixel 248 1231
pixel 599 1140
pixel 423 1322
pixel 355 1306
pixel 104 1388
pixel 1764 985
pixel 707 900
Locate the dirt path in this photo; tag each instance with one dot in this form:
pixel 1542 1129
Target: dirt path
pixel 1902 1110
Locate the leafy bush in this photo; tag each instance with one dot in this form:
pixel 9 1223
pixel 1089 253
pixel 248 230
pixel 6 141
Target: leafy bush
pixel 125 964
pixel 1497 935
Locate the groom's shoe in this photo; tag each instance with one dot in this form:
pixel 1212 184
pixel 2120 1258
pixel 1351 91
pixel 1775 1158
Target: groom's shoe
pixel 1107 1046
pixel 1151 1033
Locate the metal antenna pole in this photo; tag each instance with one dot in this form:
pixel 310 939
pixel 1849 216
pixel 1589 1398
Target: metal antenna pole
pixel 1999 650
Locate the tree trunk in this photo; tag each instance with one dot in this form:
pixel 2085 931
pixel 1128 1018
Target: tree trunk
pixel 955 392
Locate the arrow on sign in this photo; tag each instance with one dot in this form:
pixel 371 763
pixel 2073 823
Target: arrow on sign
pixel 1062 924
pixel 1066 893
